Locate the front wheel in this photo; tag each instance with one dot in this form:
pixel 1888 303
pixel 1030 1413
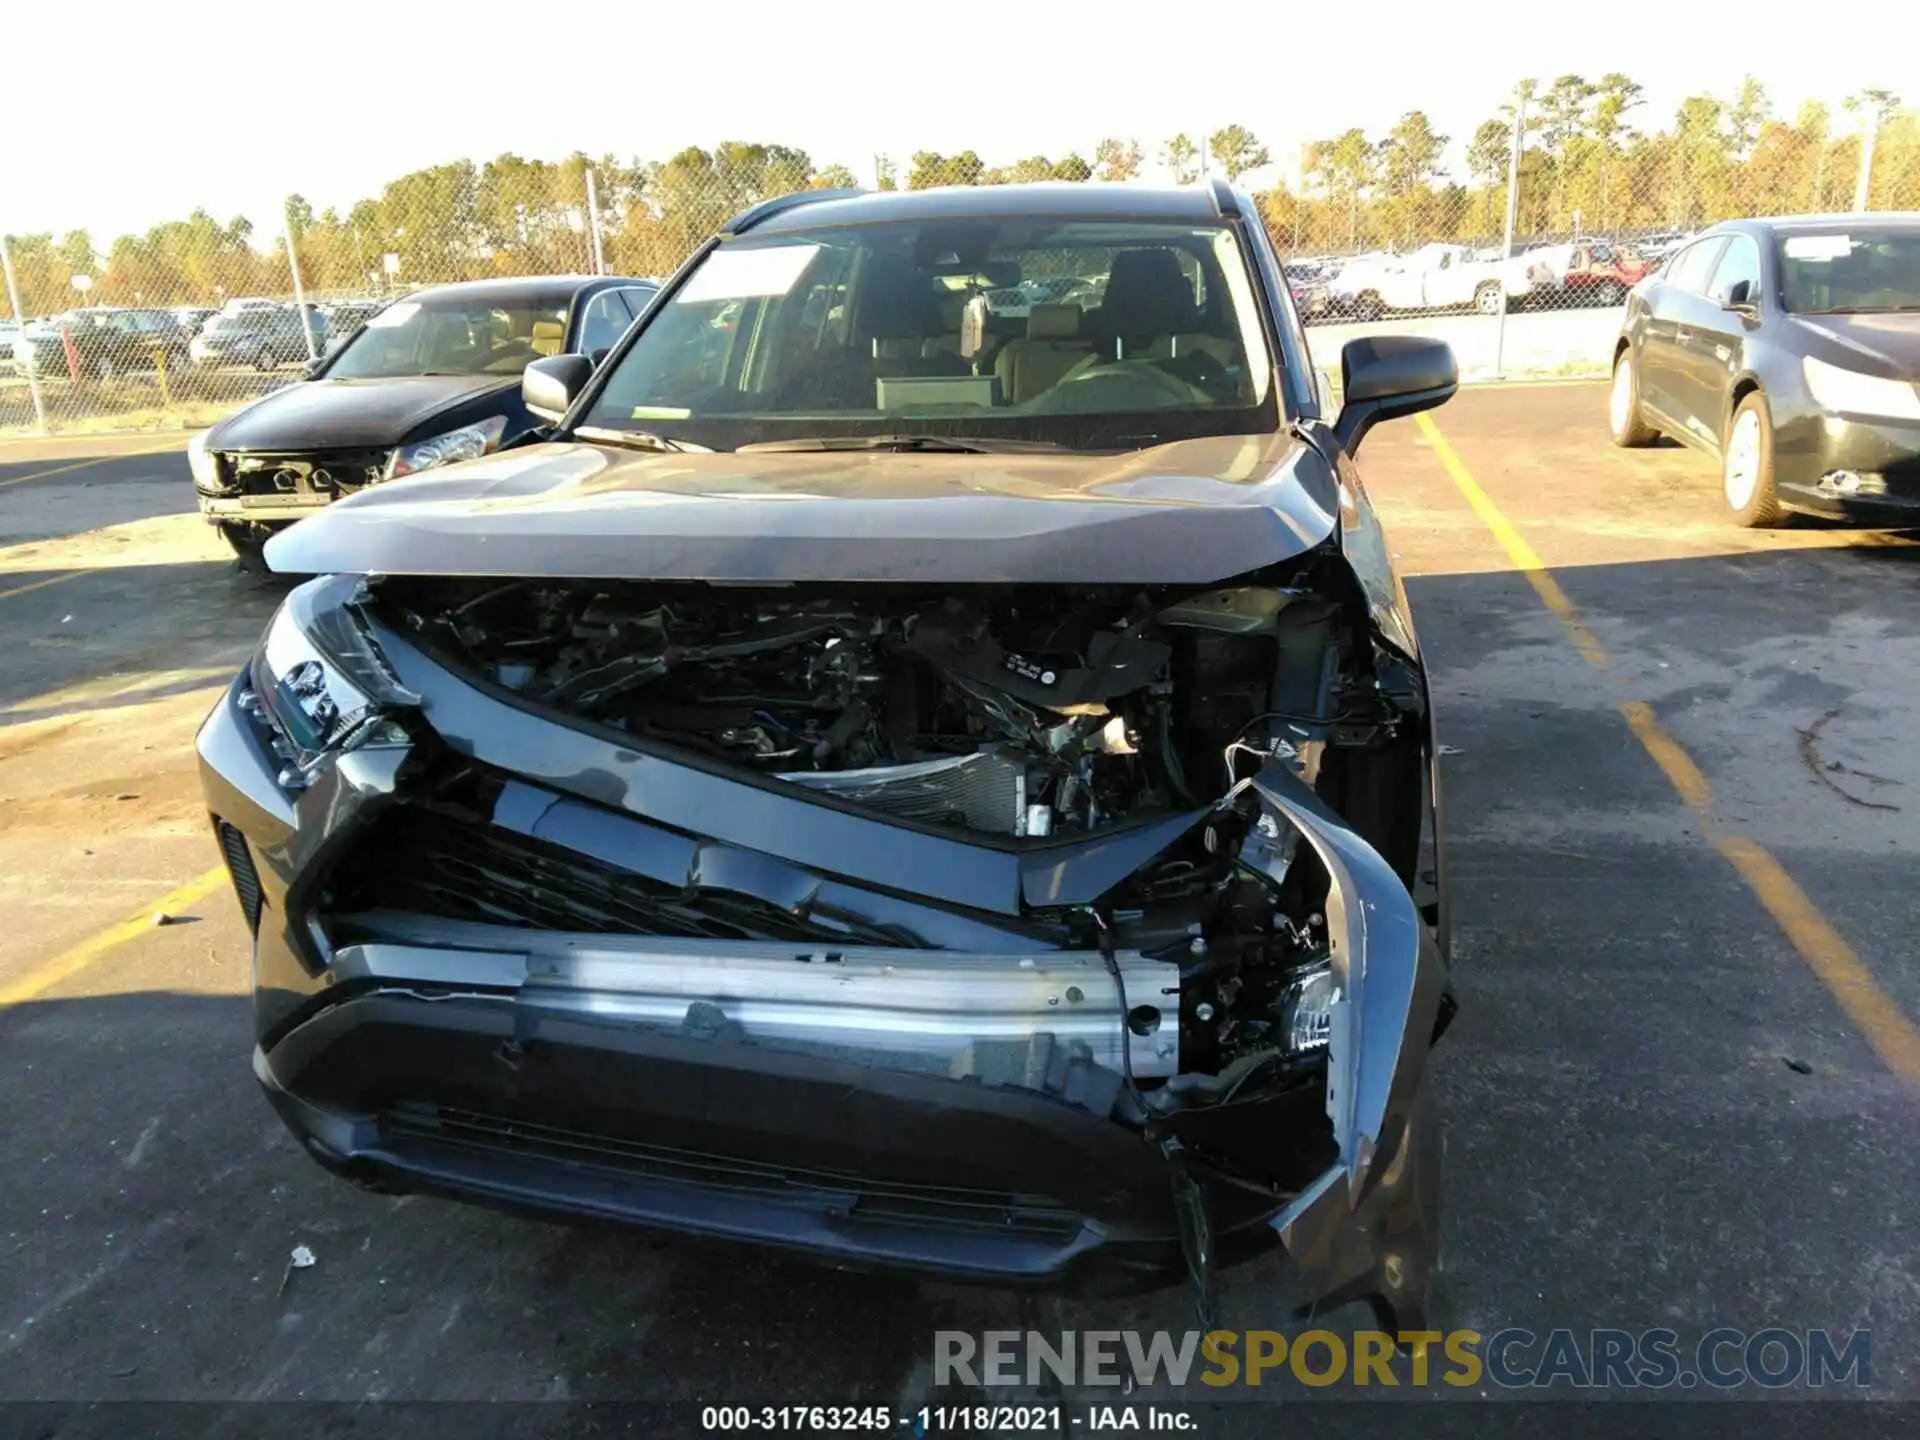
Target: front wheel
pixel 1368 306
pixel 1746 465
pixel 248 543
pixel 1489 299
pixel 1612 293
pixel 1629 429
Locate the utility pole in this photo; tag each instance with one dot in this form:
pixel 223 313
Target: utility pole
pixel 299 292
pixel 1865 182
pixel 1513 213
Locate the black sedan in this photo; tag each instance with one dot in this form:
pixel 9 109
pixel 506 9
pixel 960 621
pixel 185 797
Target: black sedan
pixel 888 780
pixel 428 379
pixel 1788 349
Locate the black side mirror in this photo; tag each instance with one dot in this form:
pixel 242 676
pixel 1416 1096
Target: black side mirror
pixel 1383 377
pixel 550 385
pixel 1740 297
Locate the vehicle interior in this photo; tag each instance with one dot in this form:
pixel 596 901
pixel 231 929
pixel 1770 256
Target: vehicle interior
pixel 412 338
pixel 958 319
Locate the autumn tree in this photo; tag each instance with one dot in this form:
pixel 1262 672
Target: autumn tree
pixel 1235 149
pixel 1182 157
pixel 1116 159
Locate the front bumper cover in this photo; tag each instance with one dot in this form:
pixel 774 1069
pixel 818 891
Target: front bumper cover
pixel 465 1061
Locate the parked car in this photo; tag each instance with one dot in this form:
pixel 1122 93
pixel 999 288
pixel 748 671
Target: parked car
pixel 1789 350
pixel 957 812
pixel 430 379
pixel 191 317
pixel 1434 277
pixel 1599 272
pixel 106 341
pixel 254 335
pixel 9 332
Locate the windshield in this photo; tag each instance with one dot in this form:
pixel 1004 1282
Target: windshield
pixel 1102 335
pixel 453 337
pixel 1850 270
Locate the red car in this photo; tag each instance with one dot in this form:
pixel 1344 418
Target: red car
pixel 1601 273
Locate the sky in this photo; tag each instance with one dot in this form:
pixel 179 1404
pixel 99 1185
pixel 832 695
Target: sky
pixel 143 112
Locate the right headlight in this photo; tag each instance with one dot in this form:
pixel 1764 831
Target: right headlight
pixel 1851 392
pixel 201 461
pixel 319 683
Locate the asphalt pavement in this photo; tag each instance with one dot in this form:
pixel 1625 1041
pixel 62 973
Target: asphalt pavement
pixel 1683 814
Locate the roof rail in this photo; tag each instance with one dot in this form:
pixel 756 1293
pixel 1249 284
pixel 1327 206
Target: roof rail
pixel 1225 204
pixel 767 209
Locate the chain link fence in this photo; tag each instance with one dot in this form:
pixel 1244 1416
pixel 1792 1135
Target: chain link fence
pixel 1516 243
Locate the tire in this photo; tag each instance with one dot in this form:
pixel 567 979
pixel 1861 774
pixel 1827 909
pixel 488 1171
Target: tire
pixel 263 359
pixel 1490 299
pixel 1630 430
pixel 1746 465
pixel 248 542
pixel 1612 293
pixel 1367 305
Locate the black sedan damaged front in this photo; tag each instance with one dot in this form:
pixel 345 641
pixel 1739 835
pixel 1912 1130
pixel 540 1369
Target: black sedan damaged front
pixel 1031 934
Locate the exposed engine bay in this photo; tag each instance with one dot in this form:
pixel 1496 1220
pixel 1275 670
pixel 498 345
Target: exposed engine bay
pixel 1014 712
pixel 1018 716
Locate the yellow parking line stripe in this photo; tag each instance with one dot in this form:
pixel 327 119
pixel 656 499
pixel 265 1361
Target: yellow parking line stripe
pixel 43 584
pixel 1822 949
pixel 83 464
pixel 75 958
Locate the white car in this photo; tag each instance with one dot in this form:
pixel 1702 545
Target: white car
pixel 1434 277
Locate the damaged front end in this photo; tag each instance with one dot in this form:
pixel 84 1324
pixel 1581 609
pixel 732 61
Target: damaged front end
pixel 1025 933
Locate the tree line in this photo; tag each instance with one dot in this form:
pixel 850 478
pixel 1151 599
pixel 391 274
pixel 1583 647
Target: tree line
pixel 1585 163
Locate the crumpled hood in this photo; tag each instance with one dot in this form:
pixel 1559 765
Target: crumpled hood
pixel 1893 339
pixel 1189 512
pixel 348 413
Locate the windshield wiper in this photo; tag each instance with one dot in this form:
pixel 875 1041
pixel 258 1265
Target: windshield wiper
pixel 925 444
pixel 637 440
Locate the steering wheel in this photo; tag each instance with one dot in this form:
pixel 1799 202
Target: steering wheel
pixel 1175 390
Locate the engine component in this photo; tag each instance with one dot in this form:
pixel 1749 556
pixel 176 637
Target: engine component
pixel 985 791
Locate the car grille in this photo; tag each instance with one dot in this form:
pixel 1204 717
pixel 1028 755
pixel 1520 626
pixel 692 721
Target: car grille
pixel 433 864
pixel 323 474
pixel 858 1196
pixel 246 879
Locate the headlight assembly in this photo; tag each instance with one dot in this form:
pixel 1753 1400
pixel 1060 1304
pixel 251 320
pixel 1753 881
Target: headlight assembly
pixel 469 442
pixel 1851 392
pixel 201 461
pixel 319 684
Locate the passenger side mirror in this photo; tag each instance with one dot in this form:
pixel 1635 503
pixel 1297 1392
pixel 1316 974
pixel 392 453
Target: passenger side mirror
pixel 550 385
pixel 1383 377
pixel 1740 297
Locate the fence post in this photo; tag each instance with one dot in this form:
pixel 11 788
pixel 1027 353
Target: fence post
pixel 1513 212
pixel 19 315
pixel 593 225
pixel 299 293
pixel 1864 184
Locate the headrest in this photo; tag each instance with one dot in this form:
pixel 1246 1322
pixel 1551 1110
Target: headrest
pixel 548 330
pixel 1147 294
pixel 1053 322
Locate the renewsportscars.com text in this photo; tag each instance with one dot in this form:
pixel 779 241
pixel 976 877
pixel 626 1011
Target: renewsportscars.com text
pixel 1511 1359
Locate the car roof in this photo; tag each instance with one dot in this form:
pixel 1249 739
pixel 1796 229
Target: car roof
pixel 540 289
pixel 1059 199
pixel 1880 219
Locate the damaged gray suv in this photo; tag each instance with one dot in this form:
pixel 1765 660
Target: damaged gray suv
pixel 889 778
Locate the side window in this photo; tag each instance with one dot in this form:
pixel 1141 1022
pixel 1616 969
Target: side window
pixel 603 322
pixel 1689 269
pixel 1741 262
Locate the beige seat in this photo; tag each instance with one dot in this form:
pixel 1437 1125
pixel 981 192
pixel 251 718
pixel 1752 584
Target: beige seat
pixel 1051 348
pixel 548 336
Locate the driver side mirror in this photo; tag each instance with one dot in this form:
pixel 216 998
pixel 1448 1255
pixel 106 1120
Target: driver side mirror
pixel 550 385
pixel 313 367
pixel 1741 298
pixel 1385 377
